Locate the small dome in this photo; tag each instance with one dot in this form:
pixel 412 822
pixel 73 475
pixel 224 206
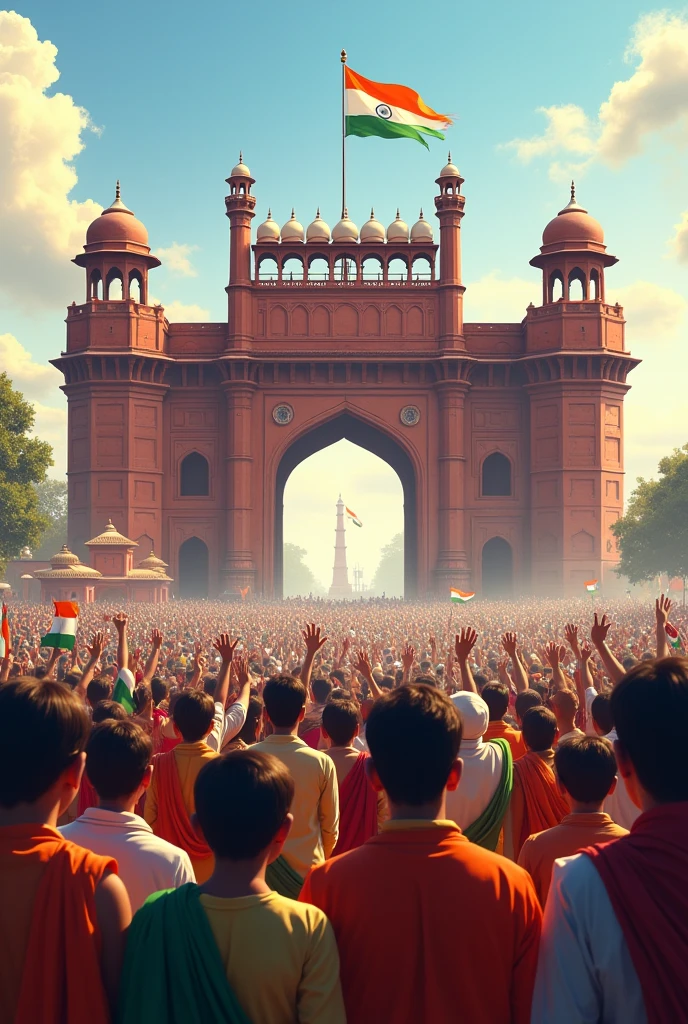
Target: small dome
pixel 146 574
pixel 318 230
pixel 240 170
pixel 372 230
pixel 398 230
pixel 269 230
pixel 450 170
pixel 111 537
pixel 345 230
pixel 152 562
pixel 573 224
pixel 292 230
pixel 421 230
pixel 116 224
pixel 25 554
pixel 64 557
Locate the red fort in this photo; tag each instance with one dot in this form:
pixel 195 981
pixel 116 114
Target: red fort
pixel 507 437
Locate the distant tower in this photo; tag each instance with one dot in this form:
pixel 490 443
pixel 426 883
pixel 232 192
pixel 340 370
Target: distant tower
pixel 340 574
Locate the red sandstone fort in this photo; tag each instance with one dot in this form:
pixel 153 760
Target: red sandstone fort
pixel 507 437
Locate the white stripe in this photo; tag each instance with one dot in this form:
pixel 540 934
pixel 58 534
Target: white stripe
pixel 65 627
pixel 360 103
pixel 127 677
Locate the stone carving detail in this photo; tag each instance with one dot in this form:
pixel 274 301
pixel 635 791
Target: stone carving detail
pixel 282 414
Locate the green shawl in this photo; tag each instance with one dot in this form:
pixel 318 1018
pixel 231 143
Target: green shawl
pixel 281 877
pixel 484 831
pixel 173 973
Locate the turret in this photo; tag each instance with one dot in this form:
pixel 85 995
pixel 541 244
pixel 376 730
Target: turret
pixel 449 208
pixel 239 207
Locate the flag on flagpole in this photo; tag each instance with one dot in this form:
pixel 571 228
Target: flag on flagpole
pixel 123 692
pixel 388 111
pixel 4 634
pixel 459 596
pixel 353 517
pixel 63 630
pixel 591 586
pixel 673 636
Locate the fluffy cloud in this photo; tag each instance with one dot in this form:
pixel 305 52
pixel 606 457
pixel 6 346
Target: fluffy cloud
pixel 40 384
pixel 679 242
pixel 493 299
pixel 176 259
pixel 654 313
pixel 40 225
pixel 181 312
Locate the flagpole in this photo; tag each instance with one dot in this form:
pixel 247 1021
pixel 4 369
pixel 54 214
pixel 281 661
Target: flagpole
pixel 342 57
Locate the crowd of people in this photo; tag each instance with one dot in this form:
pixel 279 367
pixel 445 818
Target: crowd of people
pixel 323 812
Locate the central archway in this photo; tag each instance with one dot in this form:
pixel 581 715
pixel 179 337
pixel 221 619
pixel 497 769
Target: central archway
pixel 346 426
pixel 497 569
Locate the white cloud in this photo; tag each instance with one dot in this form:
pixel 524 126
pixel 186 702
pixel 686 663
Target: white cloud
pixel 654 313
pixel 181 312
pixel 679 243
pixel 40 225
pixel 34 380
pixel 176 258
pixel 500 300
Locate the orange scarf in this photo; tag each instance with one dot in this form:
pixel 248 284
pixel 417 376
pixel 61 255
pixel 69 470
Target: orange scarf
pixel 173 822
pixel 543 804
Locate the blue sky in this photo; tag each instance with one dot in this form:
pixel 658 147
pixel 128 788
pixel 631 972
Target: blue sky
pixel 173 91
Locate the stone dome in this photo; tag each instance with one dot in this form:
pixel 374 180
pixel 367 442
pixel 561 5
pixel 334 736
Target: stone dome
pixel 111 537
pixel 398 230
pixel 240 170
pixel 292 230
pixel 372 230
pixel 345 230
pixel 573 224
pixel 450 170
pixel 64 557
pixel 269 230
pixel 318 230
pixel 116 224
pixel 421 230
pixel 152 562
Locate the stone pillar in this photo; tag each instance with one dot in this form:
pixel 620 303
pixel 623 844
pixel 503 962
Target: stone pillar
pixel 239 570
pixel 340 574
pixel 452 565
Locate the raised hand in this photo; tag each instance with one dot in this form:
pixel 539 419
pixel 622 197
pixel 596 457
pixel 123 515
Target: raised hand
pixel 156 639
pixel 363 665
pixel 585 653
pixel 599 630
pixel 408 656
pixel 225 647
pixel 509 644
pixel 241 670
pixel 662 609
pixel 465 642
pixel 314 640
pixel 120 621
pixel 571 634
pixel 97 645
pixel 555 653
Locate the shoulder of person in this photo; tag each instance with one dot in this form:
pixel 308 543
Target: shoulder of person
pixel 572 877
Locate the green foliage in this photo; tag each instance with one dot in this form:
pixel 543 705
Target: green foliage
pixel 52 503
pixel 653 535
pixel 389 575
pixel 23 462
pixel 299 581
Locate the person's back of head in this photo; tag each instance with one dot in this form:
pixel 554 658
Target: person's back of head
pixel 250 728
pixel 322 688
pixel 650 711
pixel 97 690
pixel 159 689
pixel 496 696
pixel 142 696
pixel 72 679
pixel 525 700
pixel 414 736
pixel 564 703
pixel 341 719
pixel 480 680
pixel 43 731
pixel 210 685
pixel 285 699
pixel 426 679
pixel 339 693
pixel 601 711
pixel 387 683
pixel 586 768
pixel 338 677
pixel 629 662
pixel 107 709
pixel 117 758
pixel 539 729
pixel 542 689
pixel 242 801
pixel 193 715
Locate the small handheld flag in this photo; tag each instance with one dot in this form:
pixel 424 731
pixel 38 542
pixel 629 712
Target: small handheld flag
pixel 673 636
pixel 459 596
pixel 388 111
pixel 63 630
pixel 123 692
pixel 353 517
pixel 591 586
pixel 4 634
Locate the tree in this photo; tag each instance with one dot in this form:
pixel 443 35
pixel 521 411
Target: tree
pixel 653 535
pixel 389 575
pixel 52 503
pixel 298 580
pixel 23 462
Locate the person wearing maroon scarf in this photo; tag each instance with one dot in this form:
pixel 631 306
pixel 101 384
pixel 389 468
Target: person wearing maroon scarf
pixel 615 935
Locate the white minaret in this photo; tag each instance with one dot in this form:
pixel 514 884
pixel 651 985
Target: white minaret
pixel 341 587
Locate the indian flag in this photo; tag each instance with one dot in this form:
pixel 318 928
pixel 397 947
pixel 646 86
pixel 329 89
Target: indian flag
pixel 63 630
pixel 388 111
pixel 4 634
pixel 353 517
pixel 123 692
pixel 459 596
pixel 591 586
pixel 673 636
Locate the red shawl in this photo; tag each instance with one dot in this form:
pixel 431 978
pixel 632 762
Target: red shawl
pixel 543 804
pixel 87 796
pixel 357 808
pixel 645 875
pixel 173 822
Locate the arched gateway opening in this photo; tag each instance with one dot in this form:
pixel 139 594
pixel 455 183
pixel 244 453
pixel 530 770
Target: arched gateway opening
pixel 498 569
pixel 193 568
pixel 373 440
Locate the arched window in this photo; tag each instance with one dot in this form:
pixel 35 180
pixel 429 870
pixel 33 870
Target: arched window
pixel 115 285
pixel 496 476
pixel 397 269
pixel 371 268
pixel 556 286
pixel 96 285
pixel 422 269
pixel 594 292
pixel 193 568
pixel 267 269
pixel 292 269
pixel 194 476
pixel 577 285
pixel 318 269
pixel 135 286
pixel 345 269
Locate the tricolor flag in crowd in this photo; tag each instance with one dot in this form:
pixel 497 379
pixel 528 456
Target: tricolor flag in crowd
pixel 460 596
pixel 353 517
pixel 123 692
pixel 388 111
pixel 673 636
pixel 4 634
pixel 63 630
pixel 591 586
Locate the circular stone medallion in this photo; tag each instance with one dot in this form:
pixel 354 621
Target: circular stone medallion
pixel 282 414
pixel 410 415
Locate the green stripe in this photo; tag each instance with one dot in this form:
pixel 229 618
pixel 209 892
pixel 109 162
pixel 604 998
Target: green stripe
pixel 364 125
pixel 123 696
pixel 63 641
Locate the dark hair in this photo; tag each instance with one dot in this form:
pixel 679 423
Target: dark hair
pixel 254 714
pixel 322 688
pixel 387 682
pixel 539 729
pixel 72 679
pixel 106 709
pixel 241 801
pixel 629 661
pixel 43 729
pixel 338 675
pixel 159 689
pixel 525 700
pixel 210 685
pixel 480 680
pixel 142 694
pixel 414 736
pixel 97 690
pixel 586 767
pixel 284 698
pixel 426 679
pixel 650 711
pixel 193 715
pixel 117 755
pixel 542 689
pixel 601 711
pixel 496 696
pixel 339 693
pixel 340 719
